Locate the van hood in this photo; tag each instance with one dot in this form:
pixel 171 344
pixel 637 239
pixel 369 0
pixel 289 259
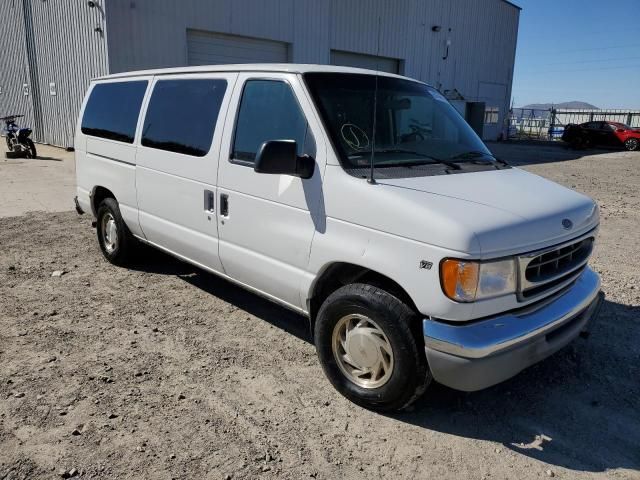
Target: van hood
pixel 508 211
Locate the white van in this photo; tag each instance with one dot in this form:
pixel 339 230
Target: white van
pixel 362 200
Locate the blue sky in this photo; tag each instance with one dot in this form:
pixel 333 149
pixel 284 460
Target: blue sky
pixel 587 50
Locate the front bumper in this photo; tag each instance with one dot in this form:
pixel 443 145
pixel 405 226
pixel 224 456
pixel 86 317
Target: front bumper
pixel 476 355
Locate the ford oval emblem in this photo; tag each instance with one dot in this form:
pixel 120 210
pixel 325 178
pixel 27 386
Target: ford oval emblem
pixel 567 224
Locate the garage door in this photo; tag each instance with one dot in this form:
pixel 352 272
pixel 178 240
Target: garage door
pixel 359 60
pixel 209 48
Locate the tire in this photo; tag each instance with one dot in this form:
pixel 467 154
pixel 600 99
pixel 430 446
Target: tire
pixel 381 318
pixel 576 143
pixel 632 144
pixel 116 241
pixel 31 148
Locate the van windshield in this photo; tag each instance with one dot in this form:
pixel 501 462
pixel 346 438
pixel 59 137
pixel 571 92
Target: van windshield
pixel 414 125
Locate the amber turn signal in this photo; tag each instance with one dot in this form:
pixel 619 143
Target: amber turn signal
pixel 459 279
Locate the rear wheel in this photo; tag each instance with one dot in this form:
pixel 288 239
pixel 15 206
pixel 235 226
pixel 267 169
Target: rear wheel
pixel 116 241
pixel 368 342
pixel 581 142
pixel 632 144
pixel 31 148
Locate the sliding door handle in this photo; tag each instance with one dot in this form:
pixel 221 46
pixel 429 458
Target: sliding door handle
pixel 209 200
pixel 224 205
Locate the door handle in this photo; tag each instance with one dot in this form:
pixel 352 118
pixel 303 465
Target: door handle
pixel 208 201
pixel 224 205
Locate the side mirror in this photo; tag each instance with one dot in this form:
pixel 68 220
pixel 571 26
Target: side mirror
pixel 620 130
pixel 280 157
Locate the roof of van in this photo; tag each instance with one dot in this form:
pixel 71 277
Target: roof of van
pixel 251 67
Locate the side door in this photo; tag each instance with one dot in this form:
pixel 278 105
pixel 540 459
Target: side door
pixel 177 163
pixel 609 137
pixel 267 222
pixel 601 134
pixel 597 136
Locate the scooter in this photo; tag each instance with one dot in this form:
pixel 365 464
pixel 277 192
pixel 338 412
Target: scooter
pixel 18 141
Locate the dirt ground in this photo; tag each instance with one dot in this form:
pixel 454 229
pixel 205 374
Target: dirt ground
pixel 163 371
pixel 46 183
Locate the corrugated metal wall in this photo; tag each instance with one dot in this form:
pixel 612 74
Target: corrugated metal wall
pixel 14 70
pixel 54 42
pixel 67 50
pixel 481 34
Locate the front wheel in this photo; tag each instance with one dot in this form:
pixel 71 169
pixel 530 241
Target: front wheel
pixel 632 144
pixel 31 148
pixel 368 342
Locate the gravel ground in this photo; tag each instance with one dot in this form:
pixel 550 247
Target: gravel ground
pixel 163 371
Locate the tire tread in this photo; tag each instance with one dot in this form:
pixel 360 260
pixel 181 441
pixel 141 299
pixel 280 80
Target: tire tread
pixel 405 319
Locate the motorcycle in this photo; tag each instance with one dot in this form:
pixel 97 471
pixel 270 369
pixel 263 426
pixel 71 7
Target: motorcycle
pixel 18 140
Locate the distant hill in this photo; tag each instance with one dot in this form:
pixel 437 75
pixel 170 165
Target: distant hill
pixel 575 105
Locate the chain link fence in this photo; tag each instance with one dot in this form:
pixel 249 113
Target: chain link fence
pixel 536 124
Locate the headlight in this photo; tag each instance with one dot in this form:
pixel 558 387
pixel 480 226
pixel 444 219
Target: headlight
pixel 467 281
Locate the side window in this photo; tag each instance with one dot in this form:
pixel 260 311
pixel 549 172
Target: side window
pixel 112 110
pixel 268 111
pixel 182 115
pixel 491 115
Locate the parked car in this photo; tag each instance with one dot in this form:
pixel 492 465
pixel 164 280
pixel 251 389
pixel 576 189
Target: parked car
pixel 362 201
pixel 607 134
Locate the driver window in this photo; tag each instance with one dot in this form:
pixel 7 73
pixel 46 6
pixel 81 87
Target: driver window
pixel 268 111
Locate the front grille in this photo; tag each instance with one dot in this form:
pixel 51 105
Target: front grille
pixel 554 267
pixel 556 262
pixel 544 287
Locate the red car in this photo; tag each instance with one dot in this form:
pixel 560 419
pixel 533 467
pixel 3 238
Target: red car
pixel 608 134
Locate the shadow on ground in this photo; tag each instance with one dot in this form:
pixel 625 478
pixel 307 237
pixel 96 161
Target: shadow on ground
pixel 579 409
pixel 38 157
pixel 155 261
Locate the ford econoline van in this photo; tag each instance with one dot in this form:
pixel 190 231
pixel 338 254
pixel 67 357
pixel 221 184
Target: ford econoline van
pixel 361 200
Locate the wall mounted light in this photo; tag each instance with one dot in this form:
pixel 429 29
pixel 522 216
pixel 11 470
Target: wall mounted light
pixel 436 28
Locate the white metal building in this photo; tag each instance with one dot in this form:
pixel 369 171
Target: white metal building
pixel 52 48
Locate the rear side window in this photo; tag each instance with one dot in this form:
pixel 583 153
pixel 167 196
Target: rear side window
pixel 268 111
pixel 112 110
pixel 182 115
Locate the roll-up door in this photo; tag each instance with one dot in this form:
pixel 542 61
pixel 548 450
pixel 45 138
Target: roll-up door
pixel 209 48
pixel 359 60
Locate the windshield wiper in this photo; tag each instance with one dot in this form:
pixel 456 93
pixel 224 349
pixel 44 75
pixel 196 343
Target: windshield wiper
pixel 432 160
pixel 474 154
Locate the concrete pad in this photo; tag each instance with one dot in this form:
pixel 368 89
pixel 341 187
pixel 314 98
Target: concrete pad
pixel 46 183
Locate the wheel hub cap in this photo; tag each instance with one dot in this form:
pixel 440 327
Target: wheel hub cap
pixel 110 232
pixel 362 351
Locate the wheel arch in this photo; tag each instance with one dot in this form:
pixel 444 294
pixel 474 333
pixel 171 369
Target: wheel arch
pixel 337 274
pixel 98 194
